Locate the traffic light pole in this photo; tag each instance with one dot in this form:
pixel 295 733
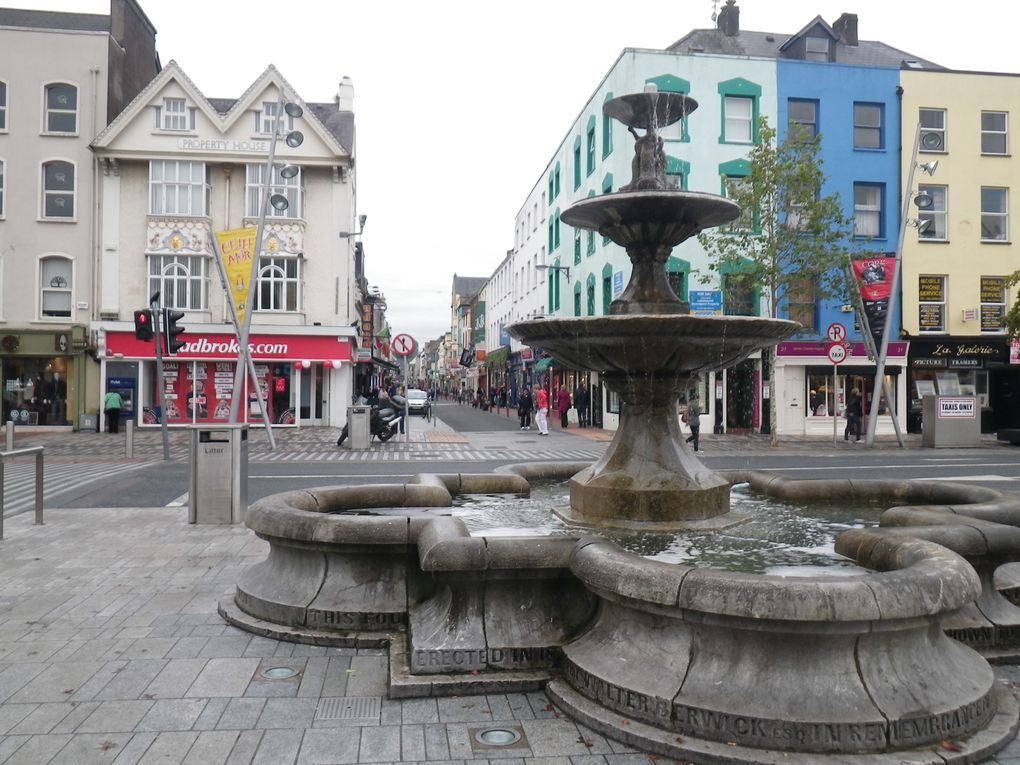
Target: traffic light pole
pixel 157 333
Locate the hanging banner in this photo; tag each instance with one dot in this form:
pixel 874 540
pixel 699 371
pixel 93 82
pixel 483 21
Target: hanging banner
pixel 237 247
pixel 874 277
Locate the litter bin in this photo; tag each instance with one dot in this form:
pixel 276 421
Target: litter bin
pixel 359 426
pixel 218 489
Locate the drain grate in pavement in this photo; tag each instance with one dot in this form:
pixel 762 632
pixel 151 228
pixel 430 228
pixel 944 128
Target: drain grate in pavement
pixel 348 708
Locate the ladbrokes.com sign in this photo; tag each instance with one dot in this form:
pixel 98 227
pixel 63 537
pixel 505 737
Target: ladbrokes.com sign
pixel 216 346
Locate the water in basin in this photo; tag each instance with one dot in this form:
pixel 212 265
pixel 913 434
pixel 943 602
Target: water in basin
pixel 778 538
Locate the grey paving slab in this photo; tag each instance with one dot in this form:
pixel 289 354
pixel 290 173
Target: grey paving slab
pixel 368 676
pixel 136 749
pixel 412 743
pixel 9 745
pixel 55 682
pixel 241 714
pixel 245 747
pixel 115 716
pixel 169 748
pixel 211 748
pixel 174 679
pixel 437 747
pixel 419 711
pixel 12 714
pixel 278 747
pixel 79 712
pixel 38 749
pixel 288 713
pixel 380 744
pixel 211 713
pixel 43 718
pixel 172 715
pixel 223 677
pixel 464 709
pixel 329 746
pixel 91 748
pixel 132 679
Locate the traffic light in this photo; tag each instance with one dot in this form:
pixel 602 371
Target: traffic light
pixel 170 331
pixel 143 324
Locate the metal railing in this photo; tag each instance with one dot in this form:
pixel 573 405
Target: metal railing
pixel 10 454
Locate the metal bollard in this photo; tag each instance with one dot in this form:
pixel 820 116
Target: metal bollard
pixel 129 444
pixel 39 488
pixel 9 428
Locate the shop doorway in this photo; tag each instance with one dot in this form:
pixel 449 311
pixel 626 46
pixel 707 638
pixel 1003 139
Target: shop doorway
pixel 311 388
pixel 740 395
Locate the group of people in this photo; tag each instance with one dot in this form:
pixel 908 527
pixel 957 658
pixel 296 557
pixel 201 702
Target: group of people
pixel 539 403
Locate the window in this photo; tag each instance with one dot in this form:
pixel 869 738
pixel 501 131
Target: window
pixel 994 214
pixel 58 190
pixel 288 187
pixel 993 133
pixel 738 121
pixel 181 280
pixel 577 246
pixel 178 188
pixel 55 276
pixel 868 210
pixel 577 298
pixel 267 121
pixel 590 153
pixel 993 304
pixel 935 229
pixel 279 284
pixel 3 107
pixel 590 247
pixel 677 281
pixel 554 287
pixel 577 162
pixel 739 297
pixel 867 126
pixel 800 303
pixel 933 129
pixel 607 288
pixel 61 108
pixel 802 118
pixel 590 295
pixel 931 303
pixel 607 132
pixel 174 114
pixel 816 48
pixel 3 187
pixel 733 187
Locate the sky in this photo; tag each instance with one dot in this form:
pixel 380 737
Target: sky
pixel 460 105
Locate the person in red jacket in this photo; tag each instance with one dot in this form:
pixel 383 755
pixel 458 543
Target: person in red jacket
pixel 542 411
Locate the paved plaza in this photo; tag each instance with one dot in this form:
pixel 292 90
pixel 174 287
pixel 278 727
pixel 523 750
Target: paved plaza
pixel 112 651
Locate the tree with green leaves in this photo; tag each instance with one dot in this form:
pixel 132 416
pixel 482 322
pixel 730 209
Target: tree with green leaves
pixel 1012 320
pixel 789 248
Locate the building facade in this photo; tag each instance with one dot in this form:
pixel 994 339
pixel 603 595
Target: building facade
pixel 74 72
pixel 177 167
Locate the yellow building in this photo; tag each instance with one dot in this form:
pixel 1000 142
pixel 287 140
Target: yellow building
pixel 958 247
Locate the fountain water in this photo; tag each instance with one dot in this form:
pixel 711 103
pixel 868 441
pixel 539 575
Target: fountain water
pixel 693 663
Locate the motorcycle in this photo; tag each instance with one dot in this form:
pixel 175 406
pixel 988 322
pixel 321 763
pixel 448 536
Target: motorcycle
pixel 384 420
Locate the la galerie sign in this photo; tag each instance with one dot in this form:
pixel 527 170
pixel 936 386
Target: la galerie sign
pixel 223 346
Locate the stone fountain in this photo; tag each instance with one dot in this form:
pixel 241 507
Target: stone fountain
pixel 692 663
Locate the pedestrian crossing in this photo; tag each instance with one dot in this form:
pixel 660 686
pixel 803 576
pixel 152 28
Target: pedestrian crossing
pixel 59 479
pixel 429 453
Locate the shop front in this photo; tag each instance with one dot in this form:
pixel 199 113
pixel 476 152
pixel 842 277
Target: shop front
pixel 812 390
pixel 43 377
pixel 304 379
pixel 966 366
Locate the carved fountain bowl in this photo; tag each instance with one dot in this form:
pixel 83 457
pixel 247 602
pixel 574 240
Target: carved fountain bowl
pixel 665 217
pixel 652 344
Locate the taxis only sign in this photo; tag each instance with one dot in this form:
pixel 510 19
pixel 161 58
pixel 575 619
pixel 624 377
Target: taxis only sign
pixel 957 408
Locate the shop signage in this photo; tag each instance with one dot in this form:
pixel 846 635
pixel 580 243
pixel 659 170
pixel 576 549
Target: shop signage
pixel 705 302
pixel 953 408
pixel 617 283
pixel 854 350
pixel 222 144
pixel 1014 351
pixel 958 353
pixel 222 346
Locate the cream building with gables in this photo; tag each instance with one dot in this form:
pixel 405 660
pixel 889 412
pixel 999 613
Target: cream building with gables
pixel 176 167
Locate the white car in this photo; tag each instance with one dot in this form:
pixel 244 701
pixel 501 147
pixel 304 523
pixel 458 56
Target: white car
pixel 417 401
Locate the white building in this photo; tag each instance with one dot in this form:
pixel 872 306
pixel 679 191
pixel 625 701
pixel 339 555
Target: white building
pixel 177 167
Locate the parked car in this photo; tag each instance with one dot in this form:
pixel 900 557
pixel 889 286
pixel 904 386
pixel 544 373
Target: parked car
pixel 417 401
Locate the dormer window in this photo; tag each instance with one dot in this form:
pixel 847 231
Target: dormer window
pixel 816 48
pixel 270 119
pixel 174 115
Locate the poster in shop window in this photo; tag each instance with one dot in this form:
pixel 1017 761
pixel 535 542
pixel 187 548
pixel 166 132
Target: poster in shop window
pixel 874 278
pixel 201 391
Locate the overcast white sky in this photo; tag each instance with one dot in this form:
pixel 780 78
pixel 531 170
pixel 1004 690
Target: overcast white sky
pixel 459 105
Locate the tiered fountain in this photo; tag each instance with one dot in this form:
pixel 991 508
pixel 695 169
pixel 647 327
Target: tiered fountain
pixel 693 663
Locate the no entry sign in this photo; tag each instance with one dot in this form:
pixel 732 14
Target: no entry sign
pixel 403 345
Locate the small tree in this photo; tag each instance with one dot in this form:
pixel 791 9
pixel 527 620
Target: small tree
pixel 1012 320
pixel 790 242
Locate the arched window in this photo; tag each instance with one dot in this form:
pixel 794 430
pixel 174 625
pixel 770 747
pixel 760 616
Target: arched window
pixel 61 108
pixel 56 286
pixel 577 298
pixel 279 284
pixel 58 190
pixel 590 295
pixel 181 280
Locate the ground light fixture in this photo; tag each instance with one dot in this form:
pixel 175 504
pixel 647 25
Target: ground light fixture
pixel 497 737
pixel 279 673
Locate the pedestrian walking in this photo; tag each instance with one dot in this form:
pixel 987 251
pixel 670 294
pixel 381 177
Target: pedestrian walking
pixel 692 416
pixel 854 413
pixel 582 402
pixel 112 405
pixel 563 405
pixel 542 411
pixel 525 404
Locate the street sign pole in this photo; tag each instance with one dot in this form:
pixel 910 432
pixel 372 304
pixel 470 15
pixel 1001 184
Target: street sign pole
pixel 837 353
pixel 834 426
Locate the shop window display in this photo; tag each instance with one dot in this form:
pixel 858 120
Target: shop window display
pixel 35 391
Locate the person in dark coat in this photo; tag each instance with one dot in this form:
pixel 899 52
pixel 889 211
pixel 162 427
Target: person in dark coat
pixel 854 413
pixel 582 402
pixel 525 406
pixel 563 404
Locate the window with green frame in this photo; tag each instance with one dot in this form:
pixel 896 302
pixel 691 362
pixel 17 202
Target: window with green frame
pixel 678 170
pixel 607 288
pixel 740 290
pixel 590 148
pixel 607 188
pixel 590 246
pixel 678 275
pixel 607 130
pixel 554 286
pixel 733 175
pixel 577 162
pixel 577 298
pixel 739 112
pixel 670 83
pixel 590 295
pixel 577 246
pixel 554 182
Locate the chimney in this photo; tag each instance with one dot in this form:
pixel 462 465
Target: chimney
pixel 729 19
pixel 846 28
pixel 345 96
